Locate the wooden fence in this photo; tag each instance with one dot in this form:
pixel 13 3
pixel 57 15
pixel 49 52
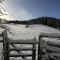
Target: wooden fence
pixel 50 51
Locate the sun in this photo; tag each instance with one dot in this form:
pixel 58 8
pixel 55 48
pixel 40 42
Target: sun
pixel 7 17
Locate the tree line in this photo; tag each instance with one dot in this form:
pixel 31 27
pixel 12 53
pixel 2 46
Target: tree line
pixel 50 21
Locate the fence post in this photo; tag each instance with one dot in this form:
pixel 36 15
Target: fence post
pixel 39 49
pixel 34 52
pixel 5 46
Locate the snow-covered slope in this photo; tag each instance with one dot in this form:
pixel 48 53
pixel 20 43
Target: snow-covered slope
pixel 21 32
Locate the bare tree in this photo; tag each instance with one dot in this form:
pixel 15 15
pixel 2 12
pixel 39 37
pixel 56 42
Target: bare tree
pixel 1 13
pixel 1 1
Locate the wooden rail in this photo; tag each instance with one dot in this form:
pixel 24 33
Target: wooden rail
pixel 20 55
pixel 29 41
pixel 21 49
pixel 53 35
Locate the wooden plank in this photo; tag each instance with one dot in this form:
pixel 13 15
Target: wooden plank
pixel 54 54
pixel 23 41
pixel 20 49
pixel 53 35
pixel 53 43
pixel 20 55
pixel 52 49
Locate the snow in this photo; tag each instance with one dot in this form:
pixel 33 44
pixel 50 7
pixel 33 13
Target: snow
pixel 21 32
pixel 18 31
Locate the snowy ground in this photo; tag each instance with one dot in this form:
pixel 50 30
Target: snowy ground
pixel 21 32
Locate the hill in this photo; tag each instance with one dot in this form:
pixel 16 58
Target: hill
pixel 49 21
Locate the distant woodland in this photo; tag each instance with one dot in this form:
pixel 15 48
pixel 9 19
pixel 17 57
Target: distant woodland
pixel 50 21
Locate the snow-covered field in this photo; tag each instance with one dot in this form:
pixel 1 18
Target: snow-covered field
pixel 21 32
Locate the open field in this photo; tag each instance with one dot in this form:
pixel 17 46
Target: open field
pixel 21 32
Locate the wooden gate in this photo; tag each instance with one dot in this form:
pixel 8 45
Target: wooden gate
pixel 7 42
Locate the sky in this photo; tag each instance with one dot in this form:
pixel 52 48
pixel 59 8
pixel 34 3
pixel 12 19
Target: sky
pixel 30 9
